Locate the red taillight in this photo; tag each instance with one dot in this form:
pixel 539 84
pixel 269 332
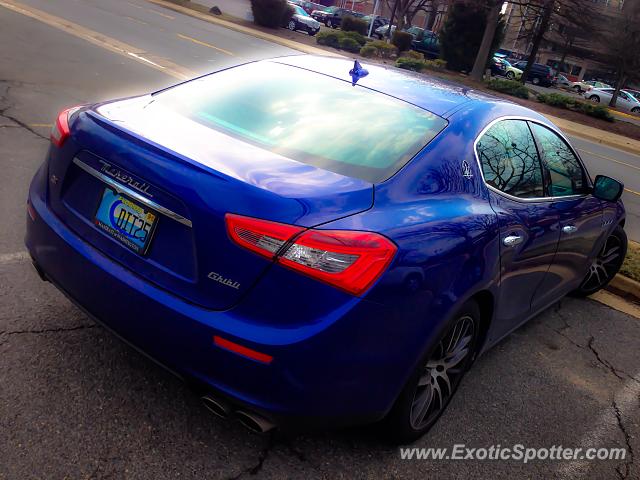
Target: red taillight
pixel 241 350
pixel 349 260
pixel 60 131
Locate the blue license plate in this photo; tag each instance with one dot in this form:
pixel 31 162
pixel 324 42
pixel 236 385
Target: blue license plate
pixel 126 221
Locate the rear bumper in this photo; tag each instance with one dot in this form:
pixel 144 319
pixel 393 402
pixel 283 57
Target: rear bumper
pixel 343 370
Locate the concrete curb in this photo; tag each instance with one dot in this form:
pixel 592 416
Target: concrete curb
pixel 242 29
pixel 626 285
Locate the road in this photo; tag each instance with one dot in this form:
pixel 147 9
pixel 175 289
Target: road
pixel 77 403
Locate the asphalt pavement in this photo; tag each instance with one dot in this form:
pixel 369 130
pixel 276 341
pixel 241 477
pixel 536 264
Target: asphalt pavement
pixel 75 402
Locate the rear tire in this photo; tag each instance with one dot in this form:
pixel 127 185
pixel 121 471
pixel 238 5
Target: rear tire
pixel 510 76
pixel 606 264
pixel 635 110
pixel 432 385
pixel 291 25
pixel 594 98
pixel 535 81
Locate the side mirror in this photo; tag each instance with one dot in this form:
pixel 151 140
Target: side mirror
pixel 606 188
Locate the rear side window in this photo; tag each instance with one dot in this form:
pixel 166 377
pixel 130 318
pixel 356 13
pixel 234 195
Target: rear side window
pixel 309 117
pixel 564 171
pixel 510 161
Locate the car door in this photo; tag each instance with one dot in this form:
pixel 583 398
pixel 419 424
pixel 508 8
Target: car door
pixel 626 102
pixel 580 216
pixel 529 224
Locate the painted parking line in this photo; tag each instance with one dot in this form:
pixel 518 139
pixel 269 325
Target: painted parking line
pixel 160 13
pixel 204 44
pixel 136 20
pixel 100 40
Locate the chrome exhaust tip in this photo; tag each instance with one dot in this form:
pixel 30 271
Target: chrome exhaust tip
pixel 254 422
pixel 215 406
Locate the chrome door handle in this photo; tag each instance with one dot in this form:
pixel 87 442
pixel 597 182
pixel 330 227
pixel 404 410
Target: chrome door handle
pixel 512 240
pixel 569 229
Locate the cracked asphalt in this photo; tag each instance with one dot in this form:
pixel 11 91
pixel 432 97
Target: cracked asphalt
pixel 76 403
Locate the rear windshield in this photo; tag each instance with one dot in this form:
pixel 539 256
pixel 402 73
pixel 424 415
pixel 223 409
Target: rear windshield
pixel 309 117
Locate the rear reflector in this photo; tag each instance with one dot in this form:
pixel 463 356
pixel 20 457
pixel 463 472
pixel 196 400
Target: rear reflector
pixel 349 260
pixel 31 211
pixel 60 131
pixel 240 350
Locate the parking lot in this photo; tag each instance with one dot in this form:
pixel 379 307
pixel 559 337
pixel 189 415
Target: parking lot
pixel 75 402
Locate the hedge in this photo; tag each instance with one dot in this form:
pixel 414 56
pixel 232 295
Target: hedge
pixel 349 44
pixel 417 65
pixel 402 40
pixel 570 103
pixel 510 87
pixel 379 48
pixel 350 41
pixel 353 24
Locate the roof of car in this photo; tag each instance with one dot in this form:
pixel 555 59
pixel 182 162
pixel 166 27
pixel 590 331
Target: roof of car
pixel 435 95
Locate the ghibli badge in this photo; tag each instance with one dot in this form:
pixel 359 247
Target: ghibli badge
pixel 224 281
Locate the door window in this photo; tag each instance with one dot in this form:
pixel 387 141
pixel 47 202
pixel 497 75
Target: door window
pixel 510 161
pixel 563 170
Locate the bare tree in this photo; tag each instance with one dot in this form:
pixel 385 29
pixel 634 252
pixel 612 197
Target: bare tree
pixel 621 40
pixel 406 10
pixel 493 17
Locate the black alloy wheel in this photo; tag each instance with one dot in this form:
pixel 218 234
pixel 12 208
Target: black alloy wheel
pixel 433 384
pixel 606 264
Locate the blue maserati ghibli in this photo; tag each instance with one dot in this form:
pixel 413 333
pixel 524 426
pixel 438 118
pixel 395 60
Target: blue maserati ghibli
pixel 308 243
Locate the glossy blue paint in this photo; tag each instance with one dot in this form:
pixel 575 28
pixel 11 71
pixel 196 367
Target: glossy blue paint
pixel 337 358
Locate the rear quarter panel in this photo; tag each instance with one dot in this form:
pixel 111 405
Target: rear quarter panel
pixel 447 238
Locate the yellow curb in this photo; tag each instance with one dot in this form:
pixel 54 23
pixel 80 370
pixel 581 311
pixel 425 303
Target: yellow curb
pixel 626 285
pixel 100 40
pixel 596 135
pixel 242 29
pixel 617 303
pixel 623 114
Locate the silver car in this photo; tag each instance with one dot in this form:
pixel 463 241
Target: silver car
pixel 626 101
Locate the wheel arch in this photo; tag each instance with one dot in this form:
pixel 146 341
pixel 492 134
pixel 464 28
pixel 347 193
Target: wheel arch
pixel 486 304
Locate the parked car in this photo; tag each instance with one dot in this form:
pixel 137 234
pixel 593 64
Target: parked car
pixel 332 16
pixel 597 84
pixel 497 66
pixel 417 32
pixel 578 87
pixel 301 283
pixel 635 93
pixel 427 43
pixel 301 20
pixel 309 7
pixel 500 66
pixel 539 74
pixel 626 101
pixel 378 22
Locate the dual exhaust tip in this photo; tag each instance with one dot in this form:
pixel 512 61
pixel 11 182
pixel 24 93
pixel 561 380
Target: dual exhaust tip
pixel 251 421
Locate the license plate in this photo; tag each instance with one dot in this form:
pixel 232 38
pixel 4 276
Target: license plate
pixel 126 221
